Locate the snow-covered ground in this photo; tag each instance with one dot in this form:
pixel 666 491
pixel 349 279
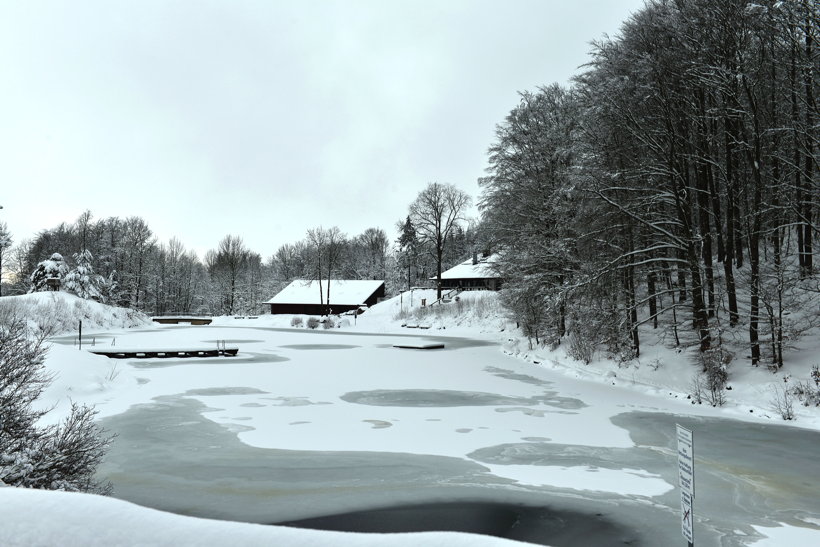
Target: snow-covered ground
pixel 61 312
pixel 485 399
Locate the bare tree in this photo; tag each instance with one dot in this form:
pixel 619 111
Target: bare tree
pixel 226 266
pixel 434 213
pixel 317 240
pixel 328 246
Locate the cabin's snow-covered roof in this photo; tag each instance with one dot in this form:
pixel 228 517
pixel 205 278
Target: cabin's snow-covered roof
pixel 343 292
pixel 483 269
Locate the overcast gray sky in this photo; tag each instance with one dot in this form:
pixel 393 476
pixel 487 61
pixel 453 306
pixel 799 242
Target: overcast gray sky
pixel 265 118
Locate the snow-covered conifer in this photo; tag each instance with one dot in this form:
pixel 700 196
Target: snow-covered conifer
pixel 82 280
pixel 53 268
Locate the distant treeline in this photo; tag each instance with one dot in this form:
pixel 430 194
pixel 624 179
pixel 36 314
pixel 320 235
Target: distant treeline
pixel 135 270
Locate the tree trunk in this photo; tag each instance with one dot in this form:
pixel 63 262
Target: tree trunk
pixel 651 282
pixel 702 177
pixel 809 159
pixel 728 274
pixel 754 241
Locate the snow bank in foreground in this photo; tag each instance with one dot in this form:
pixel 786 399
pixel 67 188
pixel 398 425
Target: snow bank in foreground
pixel 36 517
pixel 61 312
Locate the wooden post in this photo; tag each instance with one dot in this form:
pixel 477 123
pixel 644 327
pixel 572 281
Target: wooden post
pixel 81 334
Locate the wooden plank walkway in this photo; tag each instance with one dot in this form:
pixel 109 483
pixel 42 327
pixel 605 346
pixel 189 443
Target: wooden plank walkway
pixel 129 353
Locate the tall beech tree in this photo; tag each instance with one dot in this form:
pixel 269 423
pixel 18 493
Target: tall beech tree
pixel 434 214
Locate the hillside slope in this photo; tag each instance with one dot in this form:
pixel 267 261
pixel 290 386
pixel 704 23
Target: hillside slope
pixel 60 313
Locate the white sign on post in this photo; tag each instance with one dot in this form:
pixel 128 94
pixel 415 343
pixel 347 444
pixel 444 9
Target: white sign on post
pixel 686 475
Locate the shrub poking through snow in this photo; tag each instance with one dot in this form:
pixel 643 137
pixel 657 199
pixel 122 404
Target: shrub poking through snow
pixel 297 321
pixel 782 400
pixel 55 457
pixel 808 392
pixel 581 348
pixel 312 322
pixel 715 375
pixel 328 323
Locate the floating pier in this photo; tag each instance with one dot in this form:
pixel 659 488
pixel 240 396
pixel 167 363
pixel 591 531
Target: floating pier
pixel 420 345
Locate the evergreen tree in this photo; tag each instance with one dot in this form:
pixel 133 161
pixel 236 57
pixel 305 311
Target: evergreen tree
pixel 53 268
pixel 82 280
pixel 408 247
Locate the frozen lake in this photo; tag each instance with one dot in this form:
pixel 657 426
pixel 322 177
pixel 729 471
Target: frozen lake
pixel 307 426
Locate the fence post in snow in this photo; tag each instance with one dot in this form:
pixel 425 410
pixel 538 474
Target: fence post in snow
pixel 81 335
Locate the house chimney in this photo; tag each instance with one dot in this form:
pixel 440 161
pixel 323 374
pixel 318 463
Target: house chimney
pixel 475 257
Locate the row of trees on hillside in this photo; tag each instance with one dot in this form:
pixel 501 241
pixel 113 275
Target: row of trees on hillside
pixel 120 261
pixel 677 178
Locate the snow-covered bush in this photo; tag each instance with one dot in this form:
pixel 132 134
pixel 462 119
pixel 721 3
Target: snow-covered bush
pixel 82 280
pixel 581 348
pixel 312 322
pixel 808 392
pixel 328 323
pixel 782 400
pixel 297 321
pixel 529 310
pixel 715 374
pixel 53 268
pixel 56 457
pixel 710 384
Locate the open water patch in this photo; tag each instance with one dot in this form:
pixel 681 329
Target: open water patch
pixel 538 525
pixel 452 398
pixel 167 455
pixel 217 391
pixel 517 376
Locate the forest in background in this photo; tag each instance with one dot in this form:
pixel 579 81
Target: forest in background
pixel 121 262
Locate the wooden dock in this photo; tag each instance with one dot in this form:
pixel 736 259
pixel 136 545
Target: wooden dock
pixel 182 320
pixel 129 353
pixel 420 345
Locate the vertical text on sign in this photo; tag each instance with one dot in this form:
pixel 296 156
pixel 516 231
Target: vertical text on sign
pixel 686 478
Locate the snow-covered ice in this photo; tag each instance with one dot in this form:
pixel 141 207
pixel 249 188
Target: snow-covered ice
pixel 530 423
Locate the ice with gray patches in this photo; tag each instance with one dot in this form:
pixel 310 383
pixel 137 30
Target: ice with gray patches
pixel 450 398
pixel 216 391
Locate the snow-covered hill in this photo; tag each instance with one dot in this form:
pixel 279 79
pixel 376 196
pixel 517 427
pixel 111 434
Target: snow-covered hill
pixel 58 312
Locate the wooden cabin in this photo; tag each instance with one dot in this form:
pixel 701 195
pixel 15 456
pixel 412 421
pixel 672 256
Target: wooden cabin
pixel 302 296
pixel 476 273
